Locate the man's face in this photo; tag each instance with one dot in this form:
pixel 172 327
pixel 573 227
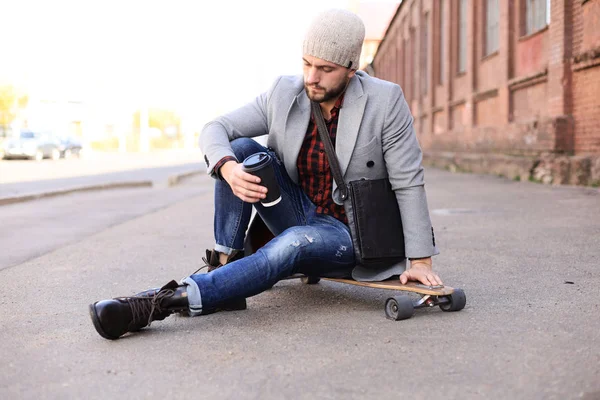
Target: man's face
pixel 323 80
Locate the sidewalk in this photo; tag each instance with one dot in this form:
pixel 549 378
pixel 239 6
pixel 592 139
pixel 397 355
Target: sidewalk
pixel 26 180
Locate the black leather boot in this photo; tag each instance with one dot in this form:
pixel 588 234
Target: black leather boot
pixel 113 318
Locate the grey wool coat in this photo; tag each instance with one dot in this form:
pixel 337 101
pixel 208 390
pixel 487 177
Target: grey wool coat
pixel 375 126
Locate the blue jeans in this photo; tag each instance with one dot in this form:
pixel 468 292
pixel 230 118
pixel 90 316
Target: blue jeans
pixel 305 242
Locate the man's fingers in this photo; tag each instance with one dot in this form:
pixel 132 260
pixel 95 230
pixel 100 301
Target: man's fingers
pixel 404 278
pixel 249 192
pixel 434 280
pixel 247 199
pixel 248 195
pixel 259 190
pixel 243 175
pixel 424 279
pixel 245 189
pixel 249 184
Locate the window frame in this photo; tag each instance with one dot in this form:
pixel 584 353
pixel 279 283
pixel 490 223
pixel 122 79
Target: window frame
pixel 442 43
pixel 487 32
pixel 425 53
pixel 462 12
pixel 407 65
pixel 531 23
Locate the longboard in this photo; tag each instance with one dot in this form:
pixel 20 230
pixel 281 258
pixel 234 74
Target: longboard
pixel 395 284
pixel 402 307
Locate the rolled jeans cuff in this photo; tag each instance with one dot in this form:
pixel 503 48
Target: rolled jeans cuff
pixel 194 297
pixel 224 249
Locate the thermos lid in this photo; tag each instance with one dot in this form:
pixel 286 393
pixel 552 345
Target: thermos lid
pixel 257 160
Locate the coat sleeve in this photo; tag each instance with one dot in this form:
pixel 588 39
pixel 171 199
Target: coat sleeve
pixel 250 120
pixel 403 158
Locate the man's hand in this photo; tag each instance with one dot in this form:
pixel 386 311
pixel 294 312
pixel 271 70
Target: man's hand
pixel 421 271
pixel 244 185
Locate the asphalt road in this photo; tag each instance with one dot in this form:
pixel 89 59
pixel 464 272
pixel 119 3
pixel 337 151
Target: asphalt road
pixel 526 255
pixel 35 228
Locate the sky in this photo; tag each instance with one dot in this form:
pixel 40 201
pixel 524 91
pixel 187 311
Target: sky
pixel 201 58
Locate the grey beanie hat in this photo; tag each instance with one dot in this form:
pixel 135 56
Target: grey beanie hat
pixel 336 36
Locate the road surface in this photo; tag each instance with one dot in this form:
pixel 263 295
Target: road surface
pixel 526 255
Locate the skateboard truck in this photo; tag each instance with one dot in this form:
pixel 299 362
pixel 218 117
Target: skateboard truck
pixel 428 300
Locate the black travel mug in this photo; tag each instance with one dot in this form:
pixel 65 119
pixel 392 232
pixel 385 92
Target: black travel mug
pixel 261 165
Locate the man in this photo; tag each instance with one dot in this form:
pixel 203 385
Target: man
pixel 370 125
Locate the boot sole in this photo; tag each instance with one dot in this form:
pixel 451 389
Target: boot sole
pixel 97 324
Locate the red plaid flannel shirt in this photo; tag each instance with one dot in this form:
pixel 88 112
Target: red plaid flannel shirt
pixel 315 175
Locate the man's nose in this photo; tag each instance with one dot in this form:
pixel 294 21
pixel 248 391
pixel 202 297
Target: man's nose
pixel 312 76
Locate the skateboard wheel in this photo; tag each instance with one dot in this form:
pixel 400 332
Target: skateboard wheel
pixel 458 300
pixel 310 280
pixel 399 308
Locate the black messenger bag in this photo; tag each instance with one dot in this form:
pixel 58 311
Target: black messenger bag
pixel 371 208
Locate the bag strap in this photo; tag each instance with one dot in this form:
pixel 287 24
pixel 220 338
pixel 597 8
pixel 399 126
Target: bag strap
pixel 333 161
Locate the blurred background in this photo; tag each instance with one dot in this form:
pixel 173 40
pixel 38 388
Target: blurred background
pixel 134 76
pixel 503 87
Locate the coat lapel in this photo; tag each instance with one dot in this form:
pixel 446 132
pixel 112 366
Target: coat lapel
pixel 296 125
pixel 351 115
pixel 350 118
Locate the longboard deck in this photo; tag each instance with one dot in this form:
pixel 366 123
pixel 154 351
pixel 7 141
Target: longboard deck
pixel 392 284
pixel 397 285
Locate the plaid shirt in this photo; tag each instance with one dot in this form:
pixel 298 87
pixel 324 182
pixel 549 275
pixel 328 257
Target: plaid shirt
pixel 314 173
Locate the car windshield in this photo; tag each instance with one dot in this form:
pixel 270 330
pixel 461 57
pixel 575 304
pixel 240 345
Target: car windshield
pixel 27 135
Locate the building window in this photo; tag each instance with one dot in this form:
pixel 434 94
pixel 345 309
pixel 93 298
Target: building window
pixel 442 43
pixel 415 60
pixel 400 63
pixel 537 15
pixel 425 54
pixel 406 59
pixel 492 26
pixel 462 36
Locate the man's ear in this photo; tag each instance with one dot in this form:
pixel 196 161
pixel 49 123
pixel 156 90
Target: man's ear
pixel 351 73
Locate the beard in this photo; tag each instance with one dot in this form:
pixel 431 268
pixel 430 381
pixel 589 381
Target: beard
pixel 326 94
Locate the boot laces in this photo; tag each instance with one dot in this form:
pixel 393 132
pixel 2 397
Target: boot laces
pixel 206 265
pixel 141 307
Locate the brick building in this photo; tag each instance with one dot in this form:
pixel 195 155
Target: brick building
pixel 499 86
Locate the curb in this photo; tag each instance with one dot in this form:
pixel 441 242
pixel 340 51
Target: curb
pixel 554 169
pixel 171 181
pixel 178 178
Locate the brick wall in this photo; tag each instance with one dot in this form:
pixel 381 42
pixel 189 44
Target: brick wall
pixel 586 77
pixel 487 114
pixel 539 93
pixel 529 103
pixel 531 54
pixel 591 24
pixel 586 110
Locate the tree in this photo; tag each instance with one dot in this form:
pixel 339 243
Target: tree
pixel 161 119
pixel 11 101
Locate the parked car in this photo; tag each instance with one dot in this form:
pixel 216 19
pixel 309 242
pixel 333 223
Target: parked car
pixel 70 146
pixel 32 145
pixel 4 134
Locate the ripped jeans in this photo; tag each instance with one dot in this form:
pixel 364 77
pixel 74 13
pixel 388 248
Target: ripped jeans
pixel 305 242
